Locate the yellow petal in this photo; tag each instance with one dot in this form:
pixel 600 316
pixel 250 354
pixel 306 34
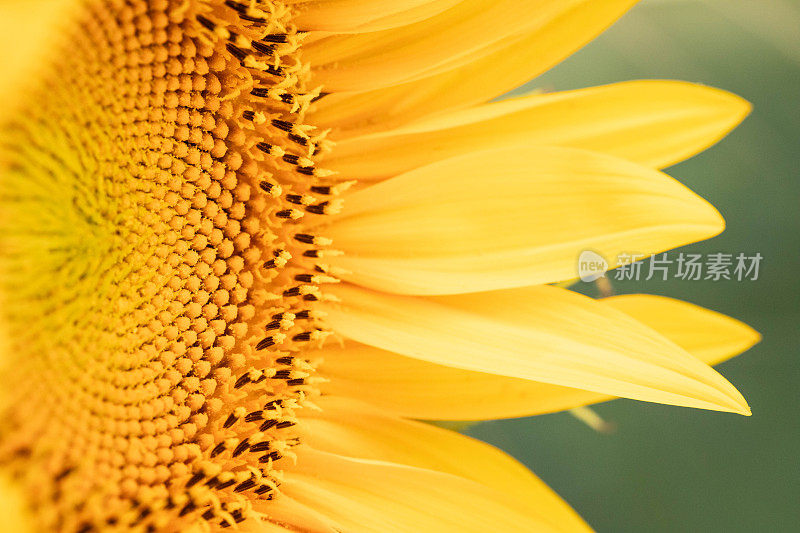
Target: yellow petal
pixel 540 333
pixel 510 218
pixel 710 336
pixel 14 515
pixel 653 123
pixel 380 59
pixel 357 16
pixel 373 496
pixel 419 389
pixel 26 31
pixel 472 83
pixel 353 429
pixel 415 388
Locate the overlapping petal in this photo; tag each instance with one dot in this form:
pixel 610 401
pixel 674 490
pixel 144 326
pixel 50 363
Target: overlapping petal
pixel 360 16
pixel 381 59
pixel 541 333
pixel 376 496
pixel 475 82
pixel 653 123
pixel 510 218
pixel 415 388
pixel 355 429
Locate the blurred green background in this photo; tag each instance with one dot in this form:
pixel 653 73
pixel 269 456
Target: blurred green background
pixel 674 469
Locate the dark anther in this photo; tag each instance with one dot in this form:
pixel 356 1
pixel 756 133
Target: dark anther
pixel 302 337
pixel 294 198
pixel 270 264
pixel 64 473
pixel 205 22
pixel 304 237
pixel 272 404
pixel 271 455
pixel 264 147
pixel 294 291
pixel 260 92
pixel 211 483
pixel 249 114
pixel 275 71
pixel 318 209
pixel 303 315
pixel 311 253
pixel 287 98
pixel 298 139
pixel 225 484
pixel 208 515
pixel 236 6
pixel 310 298
pixel 241 448
pixel 284 125
pixel 242 381
pixel 321 190
pixel 308 171
pixel 295 382
pixel 259 447
pixel 286 213
pixel 255 416
pixel 195 479
pixel 237 52
pixel 281 374
pixel 284 424
pixel 231 420
pixel 188 508
pixel 275 324
pixel 287 360
pixel 263 48
pixel 319 96
pixel 244 485
pixel 238 516
pixel 218 449
pixel 267 425
pixel 263 489
pixel 276 38
pixel 266 342
pixel 291 158
pixel 266 186
pixel 85 528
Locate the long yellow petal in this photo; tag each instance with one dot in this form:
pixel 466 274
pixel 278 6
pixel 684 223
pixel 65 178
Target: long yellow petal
pixel 26 31
pixel 653 123
pixel 353 429
pixel 419 389
pixel 358 16
pixel 472 83
pixel 380 497
pixel 13 510
pixel 708 335
pixel 540 333
pixel 510 218
pixel 380 59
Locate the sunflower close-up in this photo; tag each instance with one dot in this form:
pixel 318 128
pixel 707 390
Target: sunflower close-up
pixel 250 250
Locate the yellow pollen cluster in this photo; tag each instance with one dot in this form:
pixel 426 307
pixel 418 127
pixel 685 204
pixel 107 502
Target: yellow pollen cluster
pixel 156 283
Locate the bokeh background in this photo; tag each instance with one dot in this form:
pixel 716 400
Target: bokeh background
pixel 670 469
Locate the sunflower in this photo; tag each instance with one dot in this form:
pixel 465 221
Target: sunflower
pixel 245 246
